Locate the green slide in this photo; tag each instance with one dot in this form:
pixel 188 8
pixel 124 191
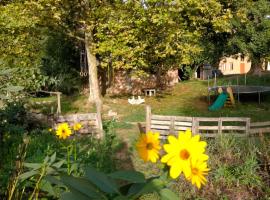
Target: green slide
pixel 219 103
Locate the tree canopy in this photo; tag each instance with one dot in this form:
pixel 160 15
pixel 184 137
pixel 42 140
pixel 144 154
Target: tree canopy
pixel 149 36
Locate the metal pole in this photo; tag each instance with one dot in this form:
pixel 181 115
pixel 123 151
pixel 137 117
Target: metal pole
pixel 245 79
pixel 215 83
pixel 208 89
pixel 237 85
pixel 259 95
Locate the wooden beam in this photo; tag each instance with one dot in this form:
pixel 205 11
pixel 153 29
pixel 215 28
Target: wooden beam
pixel 148 118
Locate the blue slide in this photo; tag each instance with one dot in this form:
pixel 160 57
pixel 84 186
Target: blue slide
pixel 219 103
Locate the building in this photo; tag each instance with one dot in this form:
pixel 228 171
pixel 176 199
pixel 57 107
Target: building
pixel 234 65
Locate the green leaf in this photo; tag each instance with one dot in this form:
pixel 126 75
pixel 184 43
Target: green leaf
pixel 131 176
pixel 4 96
pixel 73 195
pixel 121 198
pixel 47 187
pixel 100 179
pixel 54 180
pixel 27 175
pixel 153 185
pixel 34 166
pixel 166 194
pixel 83 186
pixel 58 164
pixel 53 157
pixel 13 88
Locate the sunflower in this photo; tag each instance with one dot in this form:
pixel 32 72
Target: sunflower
pixel 63 131
pixel 198 171
pixel 180 150
pixel 148 147
pixel 77 126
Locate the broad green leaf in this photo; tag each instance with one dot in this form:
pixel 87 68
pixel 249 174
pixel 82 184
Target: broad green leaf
pixel 53 157
pixel 27 175
pixel 47 187
pixel 58 164
pixel 54 180
pixel 153 185
pixel 83 186
pixel 102 181
pixel 166 194
pixel 131 176
pixel 34 166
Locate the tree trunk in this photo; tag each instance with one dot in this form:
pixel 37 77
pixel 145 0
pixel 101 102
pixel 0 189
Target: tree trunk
pixel 94 93
pixel 256 67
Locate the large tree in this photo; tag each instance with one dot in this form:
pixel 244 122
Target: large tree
pixel 251 32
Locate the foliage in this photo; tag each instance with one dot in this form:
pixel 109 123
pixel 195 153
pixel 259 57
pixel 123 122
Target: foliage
pixel 8 91
pixel 97 185
pixel 47 158
pixel 250 25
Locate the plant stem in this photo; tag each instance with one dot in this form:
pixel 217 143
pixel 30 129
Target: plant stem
pixel 68 160
pixel 35 192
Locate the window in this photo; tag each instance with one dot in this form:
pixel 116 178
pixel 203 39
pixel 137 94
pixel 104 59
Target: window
pixel 223 66
pixel 242 58
pixel 231 66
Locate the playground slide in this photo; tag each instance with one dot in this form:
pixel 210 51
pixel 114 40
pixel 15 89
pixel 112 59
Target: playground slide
pixel 219 103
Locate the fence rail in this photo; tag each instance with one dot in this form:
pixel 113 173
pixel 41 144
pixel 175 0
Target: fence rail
pixel 206 126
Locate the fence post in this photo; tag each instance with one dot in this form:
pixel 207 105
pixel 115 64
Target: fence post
pixel 219 126
pixel 172 125
pixel 148 118
pixel 248 126
pixel 194 126
pixel 58 111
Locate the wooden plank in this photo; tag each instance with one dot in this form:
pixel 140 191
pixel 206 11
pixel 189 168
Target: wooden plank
pixel 182 128
pixel 148 119
pixel 248 126
pixel 208 127
pixel 172 124
pixel 87 116
pixel 161 117
pixel 167 118
pixel 207 119
pixel 66 118
pixel 194 125
pixel 233 128
pixel 160 122
pixel 233 119
pixel 259 130
pixel 159 127
pixel 258 124
pixel 183 123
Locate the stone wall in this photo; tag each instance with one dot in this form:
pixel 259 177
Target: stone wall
pixel 124 83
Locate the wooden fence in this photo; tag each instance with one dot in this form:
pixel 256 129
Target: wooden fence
pixel 88 121
pixel 206 126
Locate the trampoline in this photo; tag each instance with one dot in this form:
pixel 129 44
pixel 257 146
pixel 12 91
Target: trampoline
pixel 242 89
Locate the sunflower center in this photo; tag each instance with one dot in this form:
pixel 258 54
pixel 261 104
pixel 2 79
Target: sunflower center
pixel 195 171
pixel 63 131
pixel 149 146
pixel 184 154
